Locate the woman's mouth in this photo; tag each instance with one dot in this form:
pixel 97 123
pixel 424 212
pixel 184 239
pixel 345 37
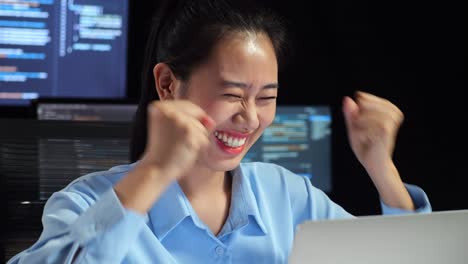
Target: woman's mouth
pixel 230 142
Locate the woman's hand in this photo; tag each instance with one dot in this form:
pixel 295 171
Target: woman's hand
pixel 372 124
pixel 177 132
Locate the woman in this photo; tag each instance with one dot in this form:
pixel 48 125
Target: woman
pixel 188 199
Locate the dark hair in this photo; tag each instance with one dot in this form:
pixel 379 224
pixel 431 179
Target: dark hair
pixel 183 34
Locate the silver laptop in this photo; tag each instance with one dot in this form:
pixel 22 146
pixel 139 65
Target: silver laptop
pixel 435 238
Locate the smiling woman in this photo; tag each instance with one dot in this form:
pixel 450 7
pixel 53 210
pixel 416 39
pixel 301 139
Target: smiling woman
pixel 237 97
pixel 229 46
pixel 187 197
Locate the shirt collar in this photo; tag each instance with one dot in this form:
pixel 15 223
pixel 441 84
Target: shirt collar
pixel 244 204
pixel 173 207
pixel 169 211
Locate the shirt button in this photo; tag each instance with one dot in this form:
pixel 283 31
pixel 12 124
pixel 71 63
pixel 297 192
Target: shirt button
pixel 219 250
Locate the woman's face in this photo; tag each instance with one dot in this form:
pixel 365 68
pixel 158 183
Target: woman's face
pixel 237 87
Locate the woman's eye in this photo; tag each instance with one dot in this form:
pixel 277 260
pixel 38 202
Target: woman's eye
pixel 268 98
pixel 232 96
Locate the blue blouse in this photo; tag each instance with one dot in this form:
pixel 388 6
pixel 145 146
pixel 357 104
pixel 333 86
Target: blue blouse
pixel 267 204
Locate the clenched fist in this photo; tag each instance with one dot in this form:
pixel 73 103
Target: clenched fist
pixel 177 131
pixel 372 124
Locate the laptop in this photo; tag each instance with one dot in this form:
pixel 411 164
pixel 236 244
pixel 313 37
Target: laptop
pixel 434 238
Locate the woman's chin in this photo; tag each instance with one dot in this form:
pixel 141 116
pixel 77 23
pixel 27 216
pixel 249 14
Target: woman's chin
pixel 222 164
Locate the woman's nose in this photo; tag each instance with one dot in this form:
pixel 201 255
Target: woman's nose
pixel 247 118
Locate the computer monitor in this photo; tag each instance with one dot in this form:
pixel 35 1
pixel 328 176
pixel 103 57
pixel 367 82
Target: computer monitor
pixel 89 111
pixel 299 139
pixel 62 49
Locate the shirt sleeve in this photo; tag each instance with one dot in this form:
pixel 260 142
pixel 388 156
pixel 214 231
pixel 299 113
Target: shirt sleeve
pixel 420 201
pixel 74 230
pixel 319 206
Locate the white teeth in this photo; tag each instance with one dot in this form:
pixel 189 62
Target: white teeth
pixel 242 141
pixel 230 141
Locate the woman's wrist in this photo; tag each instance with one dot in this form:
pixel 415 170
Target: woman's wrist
pixel 141 187
pixel 390 187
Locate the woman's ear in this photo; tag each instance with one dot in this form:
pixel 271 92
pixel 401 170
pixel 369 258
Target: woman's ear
pixel 165 81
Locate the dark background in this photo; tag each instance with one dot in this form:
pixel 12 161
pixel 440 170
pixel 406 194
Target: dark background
pixel 413 54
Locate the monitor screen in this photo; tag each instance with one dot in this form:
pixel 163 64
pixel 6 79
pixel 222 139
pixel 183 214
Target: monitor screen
pixel 62 49
pixel 111 112
pixel 299 139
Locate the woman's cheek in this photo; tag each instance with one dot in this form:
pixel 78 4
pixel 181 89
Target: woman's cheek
pixel 218 110
pixel 267 115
